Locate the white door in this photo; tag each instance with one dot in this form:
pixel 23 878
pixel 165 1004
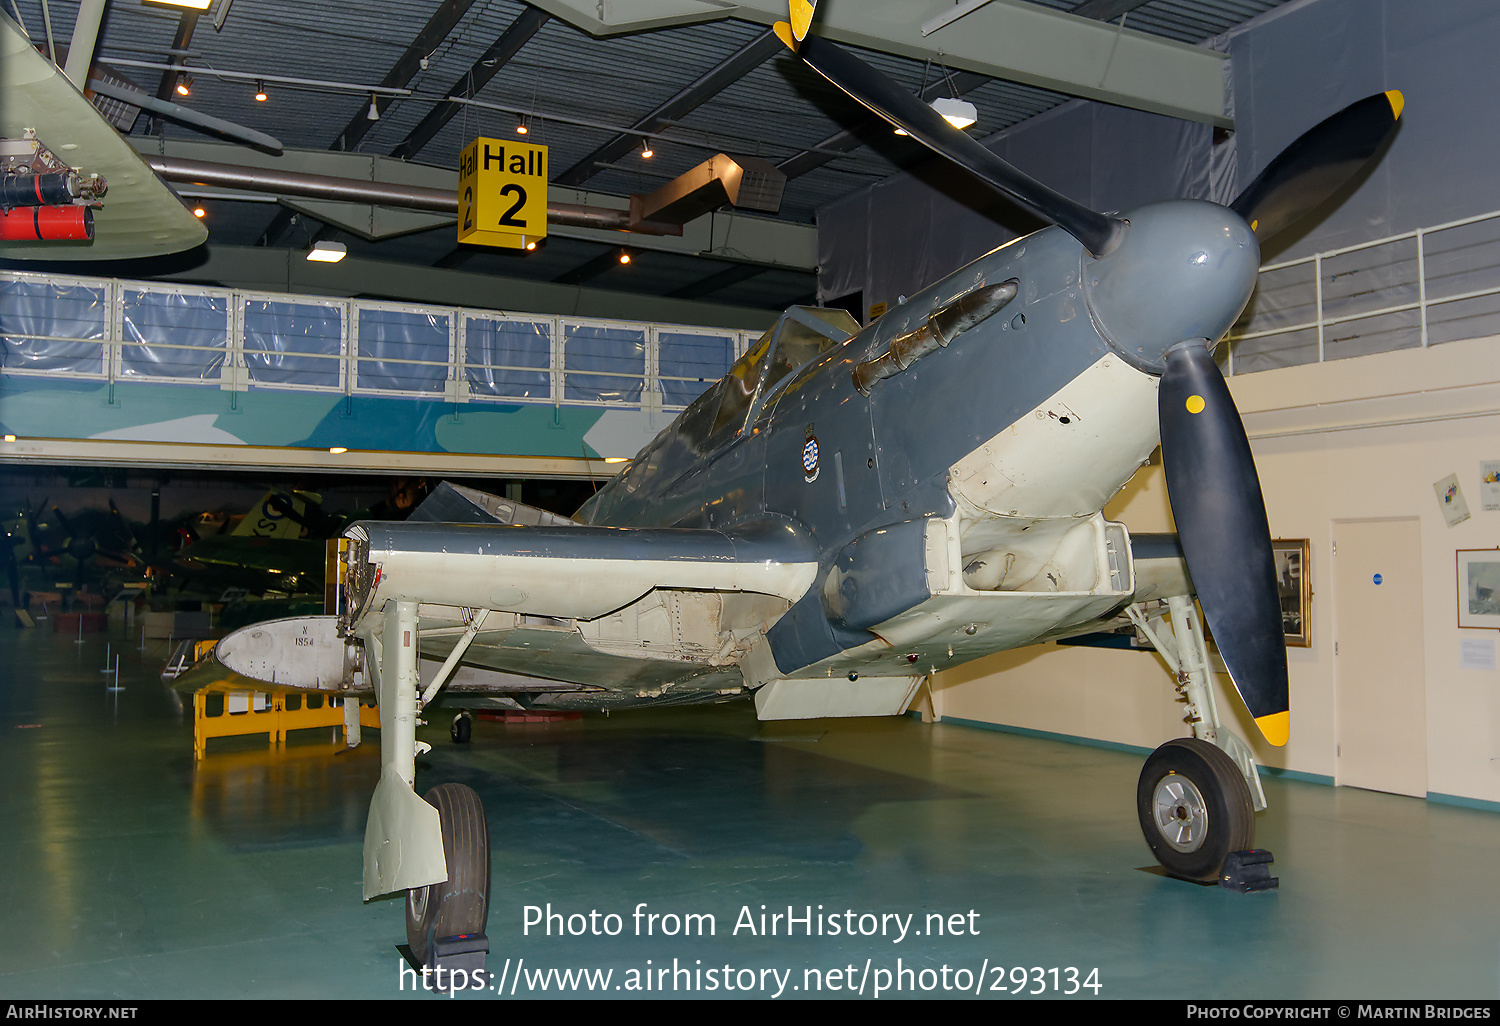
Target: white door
pixel 1381 693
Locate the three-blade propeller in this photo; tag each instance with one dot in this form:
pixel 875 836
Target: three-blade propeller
pixel 1211 480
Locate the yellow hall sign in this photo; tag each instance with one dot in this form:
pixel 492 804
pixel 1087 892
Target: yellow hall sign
pixel 502 193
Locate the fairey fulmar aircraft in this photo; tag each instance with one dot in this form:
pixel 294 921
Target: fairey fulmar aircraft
pixel 849 510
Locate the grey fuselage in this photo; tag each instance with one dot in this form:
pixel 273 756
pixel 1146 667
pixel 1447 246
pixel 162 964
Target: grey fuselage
pixel 1184 270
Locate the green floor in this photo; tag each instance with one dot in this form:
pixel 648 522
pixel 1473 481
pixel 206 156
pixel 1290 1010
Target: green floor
pixel 127 872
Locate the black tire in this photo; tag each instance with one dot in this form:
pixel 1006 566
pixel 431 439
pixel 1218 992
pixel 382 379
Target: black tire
pixel 1195 808
pixel 462 728
pixel 461 904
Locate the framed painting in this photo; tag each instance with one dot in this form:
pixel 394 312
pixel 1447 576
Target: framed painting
pixel 1479 588
pixel 1294 586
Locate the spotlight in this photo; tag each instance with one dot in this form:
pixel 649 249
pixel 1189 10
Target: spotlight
pixel 531 245
pixel 521 129
pixel 328 252
pixel 646 151
pixel 199 212
pixel 958 113
pixel 624 258
pixel 260 90
pixel 373 113
pixel 184 84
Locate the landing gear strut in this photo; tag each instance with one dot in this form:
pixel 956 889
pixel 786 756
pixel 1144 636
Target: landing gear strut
pixel 1197 796
pixel 461 904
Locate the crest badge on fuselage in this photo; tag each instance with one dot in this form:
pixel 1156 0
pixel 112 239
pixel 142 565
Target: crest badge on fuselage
pixel 810 456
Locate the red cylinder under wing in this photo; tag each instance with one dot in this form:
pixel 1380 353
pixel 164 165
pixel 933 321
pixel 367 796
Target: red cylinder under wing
pixel 47 224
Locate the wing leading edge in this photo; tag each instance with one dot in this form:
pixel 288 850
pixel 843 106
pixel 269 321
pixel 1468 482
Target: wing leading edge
pixel 579 573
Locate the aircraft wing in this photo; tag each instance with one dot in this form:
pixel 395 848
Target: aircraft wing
pixel 544 609
pixel 566 572
pixel 141 216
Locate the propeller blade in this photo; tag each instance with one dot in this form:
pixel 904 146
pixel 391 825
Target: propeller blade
pixel 884 97
pixel 1221 524
pixel 1320 161
pixel 801 14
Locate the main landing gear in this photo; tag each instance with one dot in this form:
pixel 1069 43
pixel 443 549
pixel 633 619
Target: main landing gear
pixel 1197 796
pixel 460 905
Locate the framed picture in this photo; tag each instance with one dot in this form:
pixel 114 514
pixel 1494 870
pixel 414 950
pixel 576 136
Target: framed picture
pixel 1294 585
pixel 1479 588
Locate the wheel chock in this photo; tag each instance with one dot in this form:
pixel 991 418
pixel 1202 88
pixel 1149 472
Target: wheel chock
pixel 462 954
pixel 1247 871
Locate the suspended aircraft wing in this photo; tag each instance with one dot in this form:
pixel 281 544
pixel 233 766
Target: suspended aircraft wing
pixel 140 216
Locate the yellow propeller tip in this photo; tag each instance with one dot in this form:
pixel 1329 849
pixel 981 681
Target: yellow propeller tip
pixel 1397 101
pixel 784 33
pixel 801 14
pixel 1276 727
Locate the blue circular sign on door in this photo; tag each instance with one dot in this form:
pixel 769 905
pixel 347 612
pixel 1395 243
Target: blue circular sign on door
pixel 1378 578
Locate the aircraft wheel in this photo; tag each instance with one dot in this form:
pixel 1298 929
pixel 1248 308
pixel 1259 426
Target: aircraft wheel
pixel 461 904
pixel 462 728
pixel 1195 808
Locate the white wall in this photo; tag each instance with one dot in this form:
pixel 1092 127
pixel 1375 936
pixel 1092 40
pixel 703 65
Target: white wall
pixel 1355 439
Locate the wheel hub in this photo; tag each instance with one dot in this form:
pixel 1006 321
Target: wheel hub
pixel 1179 812
pixel 417 901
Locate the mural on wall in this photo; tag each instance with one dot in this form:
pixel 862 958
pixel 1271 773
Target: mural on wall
pixel 41 408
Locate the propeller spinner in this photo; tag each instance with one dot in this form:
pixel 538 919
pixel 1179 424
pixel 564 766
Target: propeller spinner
pixel 1211 480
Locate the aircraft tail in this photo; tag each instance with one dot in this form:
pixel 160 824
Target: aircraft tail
pixel 277 515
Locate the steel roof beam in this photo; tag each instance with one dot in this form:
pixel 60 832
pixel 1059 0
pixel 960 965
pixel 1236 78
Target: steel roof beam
pixel 1008 39
pixel 506 46
pixel 593 268
pixel 711 83
pixel 250 267
pixel 442 22
pixel 186 23
pixel 717 282
pixel 407 65
pixel 1106 10
pixel 851 139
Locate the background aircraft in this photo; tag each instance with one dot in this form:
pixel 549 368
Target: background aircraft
pixel 849 510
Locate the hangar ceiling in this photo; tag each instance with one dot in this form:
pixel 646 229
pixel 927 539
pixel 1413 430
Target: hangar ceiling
pixel 593 82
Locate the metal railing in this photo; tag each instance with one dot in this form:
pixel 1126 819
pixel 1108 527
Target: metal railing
pixel 114 330
pixel 1416 289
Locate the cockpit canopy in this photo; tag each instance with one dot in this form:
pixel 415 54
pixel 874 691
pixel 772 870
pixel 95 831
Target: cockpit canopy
pixel 718 416
pixel 799 336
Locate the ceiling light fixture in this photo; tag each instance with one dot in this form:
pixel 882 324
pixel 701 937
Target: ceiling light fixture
pixel 184 84
pixel 958 113
pixel 199 212
pixel 521 129
pixel 328 252
pixel 336 449
pixel 617 459
pixel 373 113
pixel 646 150
pixel 624 258
pixel 260 90
pixel 197 5
pixel 531 244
